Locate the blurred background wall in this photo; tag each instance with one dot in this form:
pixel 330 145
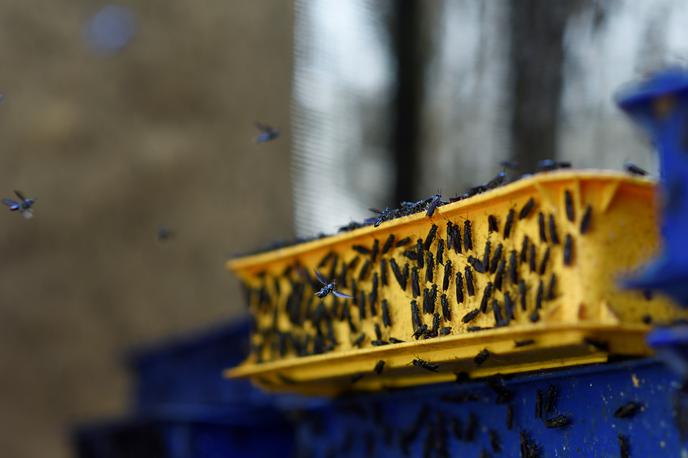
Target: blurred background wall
pixel 114 145
pixel 376 100
pixel 464 85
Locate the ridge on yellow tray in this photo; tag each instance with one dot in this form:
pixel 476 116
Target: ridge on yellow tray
pixel 519 278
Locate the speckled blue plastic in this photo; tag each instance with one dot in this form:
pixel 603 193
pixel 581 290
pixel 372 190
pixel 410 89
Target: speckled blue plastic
pixel 589 395
pixel 183 407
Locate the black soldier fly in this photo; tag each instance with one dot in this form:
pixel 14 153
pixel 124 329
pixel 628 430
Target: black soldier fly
pixel 403 242
pixel 328 288
pixel 554 236
pixel 543 262
pixel 447 275
pixel 551 399
pixel 624 446
pixel 541 227
pixel 384 274
pixel 415 285
pixel 486 255
pixel 470 316
pixel 568 250
pixel 430 237
pixel 470 288
pixel 385 313
pixel 508 306
pixel 499 275
pixel 459 288
pixel 634 169
pixel 547 165
pixel 552 287
pixel 433 202
pixel 523 343
pixel 467 236
pixel 388 244
pixel 428 366
pixel 560 421
pixel 397 274
pixel 487 292
pixel 509 223
pixel 497 312
pixel 526 209
pixel 477 264
pixel 415 315
pixel 628 410
pixel 495 259
pixel 570 210
pixel 429 267
pixel 481 357
pixel 538 295
pixel 523 255
pixel 164 233
pixel 267 133
pixel 513 267
pixel 492 224
pixel 585 220
pixel 446 310
pixel 24 206
pixel 365 269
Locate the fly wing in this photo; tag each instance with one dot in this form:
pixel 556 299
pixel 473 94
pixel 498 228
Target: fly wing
pixel 341 295
pixel 12 205
pixel 20 195
pixel 321 278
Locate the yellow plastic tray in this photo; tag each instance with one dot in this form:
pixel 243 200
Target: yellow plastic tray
pixel 581 318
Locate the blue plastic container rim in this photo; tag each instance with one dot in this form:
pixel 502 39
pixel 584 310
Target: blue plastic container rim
pixel 198 340
pixel 669 81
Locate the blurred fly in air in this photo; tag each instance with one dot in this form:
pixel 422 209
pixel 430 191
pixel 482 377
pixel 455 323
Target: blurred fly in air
pixel 328 288
pixel 164 233
pixel 267 133
pixel 23 206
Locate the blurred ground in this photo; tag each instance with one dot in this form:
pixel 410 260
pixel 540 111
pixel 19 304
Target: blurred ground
pixel 112 147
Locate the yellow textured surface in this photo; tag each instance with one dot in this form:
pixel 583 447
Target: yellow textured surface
pixel 586 302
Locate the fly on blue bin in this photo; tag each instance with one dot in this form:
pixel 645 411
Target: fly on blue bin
pixel 24 206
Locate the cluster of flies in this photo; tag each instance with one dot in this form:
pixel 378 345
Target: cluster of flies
pixel 433 427
pixel 450 281
pixel 430 204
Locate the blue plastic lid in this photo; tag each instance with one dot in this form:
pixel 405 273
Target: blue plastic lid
pixel 668 81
